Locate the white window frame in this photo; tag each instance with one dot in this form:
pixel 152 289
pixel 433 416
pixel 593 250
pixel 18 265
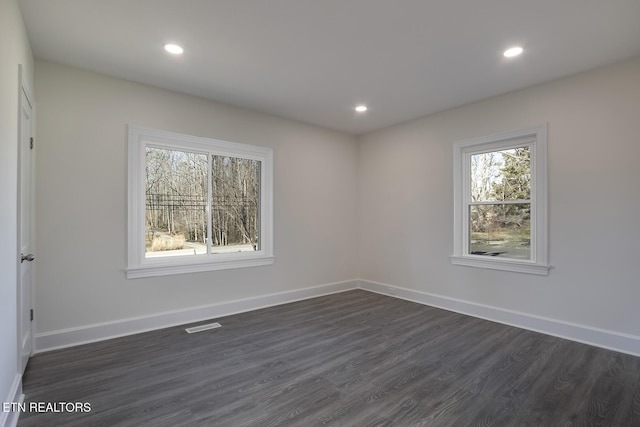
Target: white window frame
pixel 536 139
pixel 138 265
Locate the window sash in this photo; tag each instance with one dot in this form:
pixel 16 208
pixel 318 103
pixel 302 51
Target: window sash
pixel 493 147
pixel 500 202
pixel 511 244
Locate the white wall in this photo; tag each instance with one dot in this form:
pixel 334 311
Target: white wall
pixel 14 48
pixel 394 186
pixel 81 200
pixel 405 202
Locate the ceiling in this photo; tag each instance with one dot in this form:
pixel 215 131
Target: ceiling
pixel 314 60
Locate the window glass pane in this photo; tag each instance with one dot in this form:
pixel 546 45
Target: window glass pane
pixel 501 230
pixel 501 175
pixel 176 200
pixel 235 204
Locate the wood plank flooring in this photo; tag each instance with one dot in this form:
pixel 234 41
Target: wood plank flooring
pixel 349 359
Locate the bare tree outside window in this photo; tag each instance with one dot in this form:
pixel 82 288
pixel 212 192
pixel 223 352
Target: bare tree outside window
pixel 235 187
pixel 500 208
pixel 177 203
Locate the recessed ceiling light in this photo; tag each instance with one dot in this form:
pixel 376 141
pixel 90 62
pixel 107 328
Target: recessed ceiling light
pixel 173 48
pixel 513 51
pixel 361 108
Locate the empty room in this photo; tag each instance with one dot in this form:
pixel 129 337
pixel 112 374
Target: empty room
pixel 323 212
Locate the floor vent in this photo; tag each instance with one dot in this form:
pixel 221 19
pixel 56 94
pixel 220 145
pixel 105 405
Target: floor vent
pixel 203 327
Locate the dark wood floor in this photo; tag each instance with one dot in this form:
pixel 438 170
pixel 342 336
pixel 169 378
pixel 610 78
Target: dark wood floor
pixel 349 359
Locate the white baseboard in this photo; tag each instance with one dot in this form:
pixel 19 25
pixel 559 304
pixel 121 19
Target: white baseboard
pixel 10 419
pixel 611 340
pixel 101 331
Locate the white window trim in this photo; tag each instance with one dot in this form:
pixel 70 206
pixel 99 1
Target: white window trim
pixel 537 138
pixel 138 265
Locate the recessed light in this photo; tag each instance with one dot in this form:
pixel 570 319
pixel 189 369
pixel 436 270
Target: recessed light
pixel 361 108
pixel 173 48
pixel 513 51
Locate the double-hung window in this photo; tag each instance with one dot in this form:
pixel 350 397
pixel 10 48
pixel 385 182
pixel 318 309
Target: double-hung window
pixel 197 204
pixel 500 202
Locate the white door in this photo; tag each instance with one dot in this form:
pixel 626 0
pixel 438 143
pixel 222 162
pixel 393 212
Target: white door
pixel 25 231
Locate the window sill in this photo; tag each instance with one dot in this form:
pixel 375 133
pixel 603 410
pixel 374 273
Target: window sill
pixel 164 268
pixel 499 264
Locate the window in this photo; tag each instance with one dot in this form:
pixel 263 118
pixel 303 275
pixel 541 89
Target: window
pixel 500 202
pixel 197 204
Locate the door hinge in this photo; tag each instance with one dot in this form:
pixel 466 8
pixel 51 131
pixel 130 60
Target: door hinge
pixel 31 314
pixel 31 143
